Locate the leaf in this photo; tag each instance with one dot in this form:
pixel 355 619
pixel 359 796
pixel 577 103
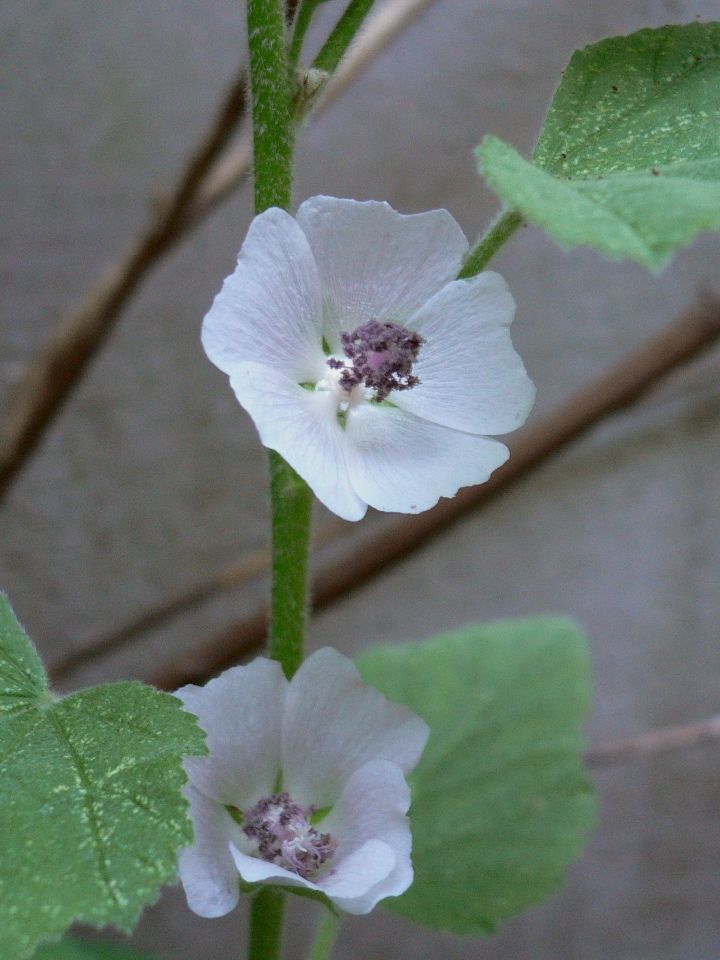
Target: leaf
pixel 22 678
pixel 80 950
pixel 628 160
pixel 91 809
pixel 500 801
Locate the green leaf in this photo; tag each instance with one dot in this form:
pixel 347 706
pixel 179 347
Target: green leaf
pixel 80 950
pixel 500 801
pixel 91 809
pixel 628 160
pixel 22 678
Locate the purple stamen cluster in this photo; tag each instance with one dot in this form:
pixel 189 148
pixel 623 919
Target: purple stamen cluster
pixel 381 355
pixel 281 828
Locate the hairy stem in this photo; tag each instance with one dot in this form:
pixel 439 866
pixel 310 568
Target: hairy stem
pixel 291 500
pixel 303 17
pixel 291 516
pixel 489 244
pixel 266 920
pixel 273 136
pixel 273 128
pixel 325 934
pixel 341 37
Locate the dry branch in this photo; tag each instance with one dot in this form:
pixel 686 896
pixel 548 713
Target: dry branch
pixel 230 577
pixel 529 448
pixel 52 374
pixel 657 741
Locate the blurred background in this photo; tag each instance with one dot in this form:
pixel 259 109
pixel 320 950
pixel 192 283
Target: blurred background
pixel 151 478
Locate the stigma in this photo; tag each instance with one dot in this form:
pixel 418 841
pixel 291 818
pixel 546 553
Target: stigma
pixel 284 835
pixel 380 357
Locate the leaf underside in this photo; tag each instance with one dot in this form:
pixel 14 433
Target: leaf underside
pixel 500 801
pixel 628 159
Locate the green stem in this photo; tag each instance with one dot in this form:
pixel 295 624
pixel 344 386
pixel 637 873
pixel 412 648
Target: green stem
pixel 266 918
pixel 339 40
pixel 273 127
pixel 273 136
pixel 291 500
pixel 291 516
pixel 488 245
pixel 327 930
pixel 302 21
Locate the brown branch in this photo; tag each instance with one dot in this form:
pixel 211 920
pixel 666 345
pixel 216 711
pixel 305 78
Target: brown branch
pixel 529 448
pixel 290 9
pixel 231 576
pixel 656 742
pixel 52 374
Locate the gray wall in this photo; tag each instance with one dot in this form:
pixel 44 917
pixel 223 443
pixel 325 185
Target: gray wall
pixel 152 477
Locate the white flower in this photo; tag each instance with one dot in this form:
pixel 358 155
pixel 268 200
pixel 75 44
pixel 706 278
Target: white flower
pixel 303 785
pixel 362 361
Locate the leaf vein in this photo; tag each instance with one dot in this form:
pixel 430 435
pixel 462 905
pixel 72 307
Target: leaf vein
pixel 90 810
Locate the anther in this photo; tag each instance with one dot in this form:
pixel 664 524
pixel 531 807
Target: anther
pixel 282 831
pixel 381 356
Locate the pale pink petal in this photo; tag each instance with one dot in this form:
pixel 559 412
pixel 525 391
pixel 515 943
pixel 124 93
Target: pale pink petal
pixel 270 308
pixel 241 713
pixel 376 263
pixel 334 723
pixel 403 464
pixel 302 426
pixel 373 805
pixel 255 870
pixel 207 870
pixel 351 881
pixel 471 378
pixel 346 884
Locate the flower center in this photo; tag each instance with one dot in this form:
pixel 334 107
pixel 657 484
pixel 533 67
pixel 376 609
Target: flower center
pixel 381 356
pixel 283 833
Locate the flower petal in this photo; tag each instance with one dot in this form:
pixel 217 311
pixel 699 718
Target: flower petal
pixel 207 870
pixel 376 263
pixel 373 804
pixel 471 378
pixel 334 724
pixel 302 426
pixel 400 463
pixel 241 713
pixel 255 870
pixel 361 870
pixel 269 310
pixel 350 885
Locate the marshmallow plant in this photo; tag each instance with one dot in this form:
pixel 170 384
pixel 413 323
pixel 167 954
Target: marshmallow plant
pixel 380 375
pixel 304 786
pixel 371 349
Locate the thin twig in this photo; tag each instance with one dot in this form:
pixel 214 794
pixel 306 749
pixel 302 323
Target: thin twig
pixel 529 448
pixel 231 576
pixel 53 373
pixel 659 741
